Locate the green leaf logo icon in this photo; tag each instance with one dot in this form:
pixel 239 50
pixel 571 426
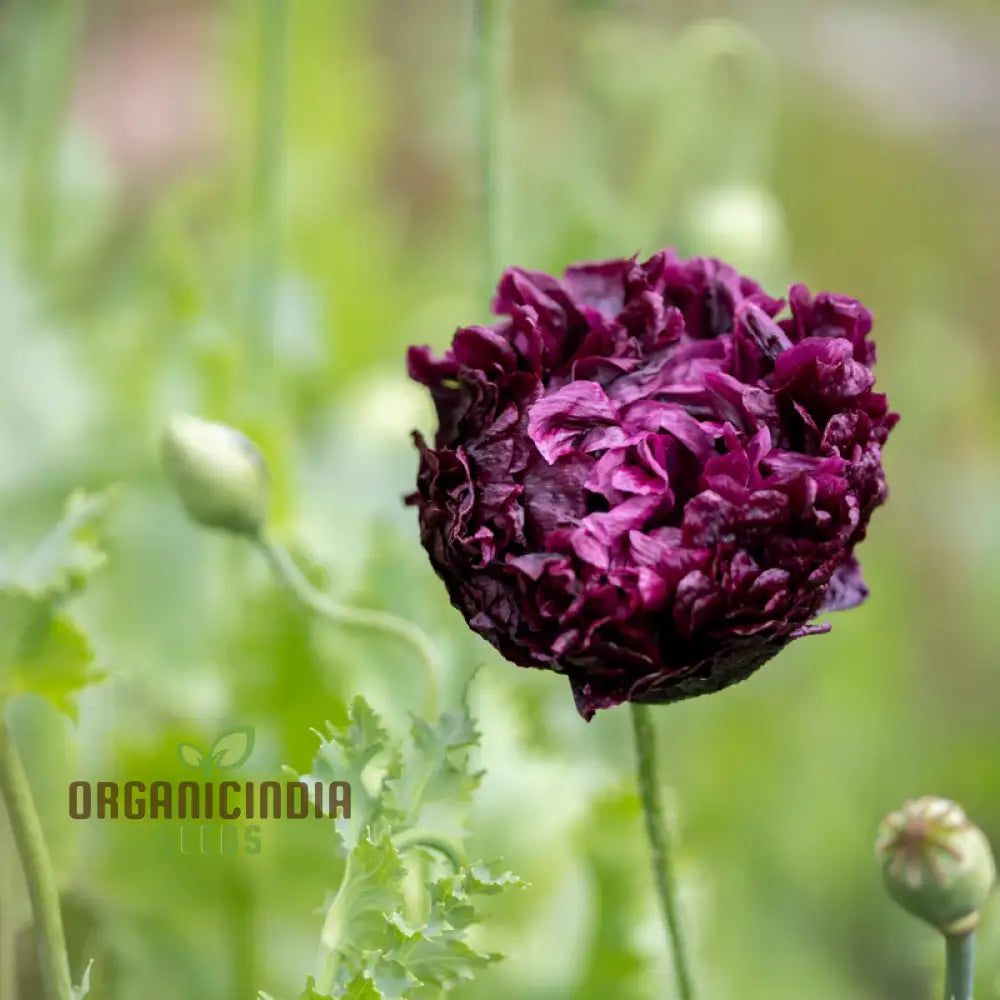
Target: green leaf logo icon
pixel 233 747
pixel 191 755
pixel 230 749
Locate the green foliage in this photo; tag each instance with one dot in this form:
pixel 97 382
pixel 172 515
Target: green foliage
pixel 361 987
pixel 83 990
pixel 42 650
pixel 376 940
pixel 440 772
pixel 345 756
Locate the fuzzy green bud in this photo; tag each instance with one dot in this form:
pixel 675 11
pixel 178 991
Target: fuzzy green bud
pixel 218 473
pixel 936 863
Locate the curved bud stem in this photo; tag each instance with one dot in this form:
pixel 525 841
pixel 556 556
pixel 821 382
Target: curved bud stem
pixel 37 866
pixel 362 618
pixel 659 842
pixel 431 841
pixel 959 962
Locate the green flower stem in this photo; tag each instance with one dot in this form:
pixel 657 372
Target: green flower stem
pixel 492 50
pixel 8 938
pixel 242 917
pixel 444 846
pixel 659 842
pixel 329 938
pixel 38 875
pixel 60 24
pixel 265 250
pixel 374 621
pixel 959 962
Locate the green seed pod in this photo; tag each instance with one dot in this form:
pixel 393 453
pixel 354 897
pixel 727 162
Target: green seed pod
pixel 219 474
pixel 936 863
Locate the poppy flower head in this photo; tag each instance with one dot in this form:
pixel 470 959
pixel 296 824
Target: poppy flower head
pixel 651 476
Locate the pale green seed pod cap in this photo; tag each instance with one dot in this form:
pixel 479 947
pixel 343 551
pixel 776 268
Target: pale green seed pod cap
pixel 936 863
pixel 219 474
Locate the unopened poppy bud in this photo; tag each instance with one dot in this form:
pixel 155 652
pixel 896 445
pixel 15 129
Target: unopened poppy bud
pixel 936 863
pixel 744 224
pixel 218 473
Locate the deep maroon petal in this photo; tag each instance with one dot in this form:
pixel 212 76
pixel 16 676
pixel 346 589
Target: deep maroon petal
pixel 846 590
pixel 647 477
pixel 574 418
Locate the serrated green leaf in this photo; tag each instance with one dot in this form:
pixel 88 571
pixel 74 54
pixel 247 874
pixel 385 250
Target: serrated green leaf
pixel 436 955
pixel 41 650
pixel 451 896
pixel 394 981
pixel 309 993
pixel 344 757
pixel 487 879
pixel 439 769
pixel 374 940
pixel 370 888
pixel 71 552
pixel 361 987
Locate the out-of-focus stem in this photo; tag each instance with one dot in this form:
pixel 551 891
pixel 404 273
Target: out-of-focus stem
pixel 60 23
pixel 659 842
pixel 265 251
pixel 959 965
pixel 8 959
pixel 362 618
pixel 329 938
pixel 37 866
pixel 492 30
pixel 242 913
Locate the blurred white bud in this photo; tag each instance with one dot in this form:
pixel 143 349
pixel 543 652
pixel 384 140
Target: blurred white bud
pixel 743 225
pixel 219 474
pixel 389 407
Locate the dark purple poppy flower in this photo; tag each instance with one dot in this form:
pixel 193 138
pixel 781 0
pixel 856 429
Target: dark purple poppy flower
pixel 645 479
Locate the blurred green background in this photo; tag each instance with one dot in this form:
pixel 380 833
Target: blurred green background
pixel 248 210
